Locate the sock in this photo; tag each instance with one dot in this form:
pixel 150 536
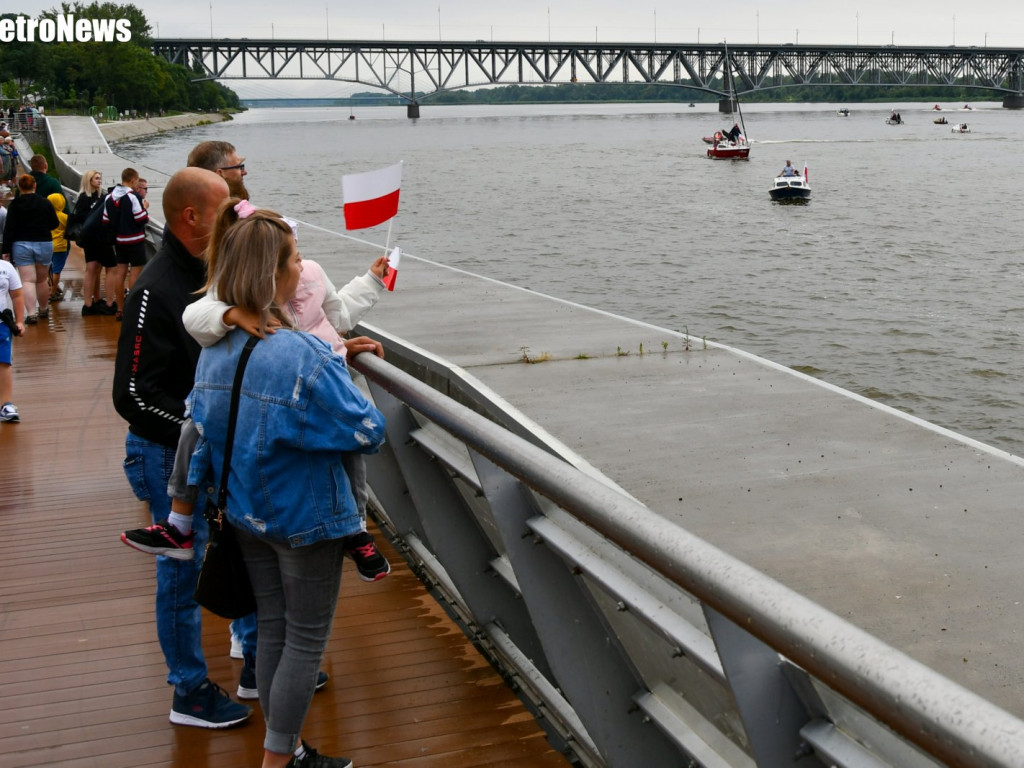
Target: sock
pixel 300 751
pixel 182 522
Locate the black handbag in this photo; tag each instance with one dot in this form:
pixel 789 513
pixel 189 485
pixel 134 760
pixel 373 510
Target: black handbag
pixel 223 586
pixel 73 231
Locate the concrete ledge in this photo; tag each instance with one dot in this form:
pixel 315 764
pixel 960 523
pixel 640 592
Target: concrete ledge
pixel 130 129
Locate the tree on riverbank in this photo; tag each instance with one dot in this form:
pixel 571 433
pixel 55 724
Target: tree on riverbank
pixel 570 93
pixel 84 75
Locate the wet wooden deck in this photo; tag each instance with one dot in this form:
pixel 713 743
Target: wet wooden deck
pixel 82 679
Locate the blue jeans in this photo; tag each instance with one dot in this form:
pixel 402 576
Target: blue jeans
pixel 296 593
pixel 245 630
pixel 148 467
pixel 25 253
pixel 178 488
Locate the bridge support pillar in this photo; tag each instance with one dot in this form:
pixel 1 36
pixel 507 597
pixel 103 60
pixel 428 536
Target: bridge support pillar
pixel 728 106
pixel 412 109
pixel 1013 101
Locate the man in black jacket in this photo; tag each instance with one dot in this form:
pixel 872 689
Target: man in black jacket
pixel 154 371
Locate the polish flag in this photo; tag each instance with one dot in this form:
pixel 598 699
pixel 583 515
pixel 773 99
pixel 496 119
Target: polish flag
pixel 807 178
pixel 371 198
pixel 389 278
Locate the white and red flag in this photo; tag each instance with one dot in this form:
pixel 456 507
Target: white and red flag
pixel 371 198
pixel 392 275
pixel 807 176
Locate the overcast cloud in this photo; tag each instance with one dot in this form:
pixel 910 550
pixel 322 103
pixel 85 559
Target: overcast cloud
pixel 872 22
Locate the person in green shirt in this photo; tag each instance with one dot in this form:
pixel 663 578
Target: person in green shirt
pixel 46 184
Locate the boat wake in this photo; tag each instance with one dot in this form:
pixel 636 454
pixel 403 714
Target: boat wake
pixel 880 140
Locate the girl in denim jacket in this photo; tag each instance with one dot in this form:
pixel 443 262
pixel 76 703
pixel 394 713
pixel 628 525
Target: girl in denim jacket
pixel 288 494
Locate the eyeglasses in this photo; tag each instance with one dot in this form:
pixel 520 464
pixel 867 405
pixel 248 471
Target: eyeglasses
pixel 239 167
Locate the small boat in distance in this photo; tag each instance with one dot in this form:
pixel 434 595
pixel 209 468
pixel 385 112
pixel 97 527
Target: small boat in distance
pixel 731 144
pixel 791 189
pixel 894 119
pixel 937 108
pixel 843 112
pixel 940 121
pixel 960 128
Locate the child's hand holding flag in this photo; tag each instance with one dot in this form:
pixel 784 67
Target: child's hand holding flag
pixel 392 273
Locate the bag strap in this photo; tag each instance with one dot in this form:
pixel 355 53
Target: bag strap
pixel 236 396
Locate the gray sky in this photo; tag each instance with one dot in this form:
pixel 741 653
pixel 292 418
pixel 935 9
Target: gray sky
pixel 869 22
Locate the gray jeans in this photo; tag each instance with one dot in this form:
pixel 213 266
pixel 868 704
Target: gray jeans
pixel 296 594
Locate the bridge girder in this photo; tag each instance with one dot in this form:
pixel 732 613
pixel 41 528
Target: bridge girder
pixel 418 69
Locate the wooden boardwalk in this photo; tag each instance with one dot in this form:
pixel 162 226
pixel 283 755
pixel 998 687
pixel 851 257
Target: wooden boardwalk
pixel 82 679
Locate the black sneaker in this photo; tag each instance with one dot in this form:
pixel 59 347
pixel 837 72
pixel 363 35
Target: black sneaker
pixel 161 539
pixel 208 706
pixel 313 759
pixel 102 308
pixel 370 563
pixel 247 680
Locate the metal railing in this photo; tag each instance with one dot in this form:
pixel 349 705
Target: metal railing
pixel 26 121
pixel 634 642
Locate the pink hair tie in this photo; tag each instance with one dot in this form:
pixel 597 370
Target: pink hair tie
pixel 244 209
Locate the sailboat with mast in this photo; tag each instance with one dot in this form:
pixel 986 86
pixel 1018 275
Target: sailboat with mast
pixel 731 144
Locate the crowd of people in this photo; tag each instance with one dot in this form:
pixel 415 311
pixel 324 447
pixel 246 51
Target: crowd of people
pixel 226 272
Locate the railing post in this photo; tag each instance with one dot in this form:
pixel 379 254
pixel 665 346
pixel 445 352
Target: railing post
pixel 589 664
pixel 771 712
pixel 418 487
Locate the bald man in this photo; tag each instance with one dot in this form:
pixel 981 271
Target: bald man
pixel 153 373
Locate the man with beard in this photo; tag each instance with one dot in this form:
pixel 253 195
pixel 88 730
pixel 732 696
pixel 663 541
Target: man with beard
pixel 221 158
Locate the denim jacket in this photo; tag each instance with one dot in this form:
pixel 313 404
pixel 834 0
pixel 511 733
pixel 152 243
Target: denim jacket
pixel 299 411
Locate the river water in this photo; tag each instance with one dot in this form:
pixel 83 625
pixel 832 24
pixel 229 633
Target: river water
pixel 901 280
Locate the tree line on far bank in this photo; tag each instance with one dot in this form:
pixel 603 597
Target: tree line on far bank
pixel 654 92
pixel 82 76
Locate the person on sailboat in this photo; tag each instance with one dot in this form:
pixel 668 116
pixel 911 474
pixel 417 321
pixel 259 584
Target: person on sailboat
pixel 735 133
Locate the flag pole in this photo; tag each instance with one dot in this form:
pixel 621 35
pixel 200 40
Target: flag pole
pixel 387 240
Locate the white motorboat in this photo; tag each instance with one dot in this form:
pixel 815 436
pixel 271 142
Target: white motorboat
pixel 960 128
pixel 791 189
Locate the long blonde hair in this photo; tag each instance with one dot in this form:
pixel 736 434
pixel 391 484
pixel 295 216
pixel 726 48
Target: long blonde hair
pixel 86 186
pixel 244 258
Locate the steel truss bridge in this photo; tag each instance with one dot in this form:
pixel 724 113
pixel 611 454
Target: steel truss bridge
pixel 417 70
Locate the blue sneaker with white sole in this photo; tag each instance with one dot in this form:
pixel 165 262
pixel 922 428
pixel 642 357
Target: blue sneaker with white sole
pixel 208 706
